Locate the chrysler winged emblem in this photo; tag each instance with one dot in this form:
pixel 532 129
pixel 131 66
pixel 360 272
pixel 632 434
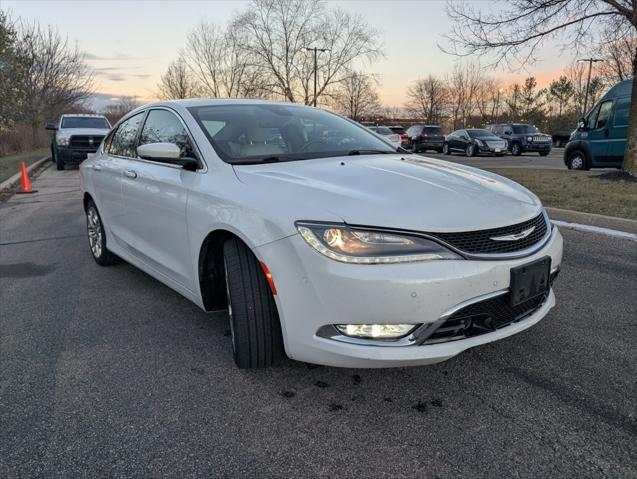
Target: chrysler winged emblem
pixel 516 236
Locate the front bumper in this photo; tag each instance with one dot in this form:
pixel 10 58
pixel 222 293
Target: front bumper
pixel 74 155
pixel 315 291
pixel 492 150
pixel 536 147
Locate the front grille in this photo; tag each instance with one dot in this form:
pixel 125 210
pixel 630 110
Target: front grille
pixel 88 142
pixel 496 144
pixel 480 242
pixel 541 139
pixel 484 317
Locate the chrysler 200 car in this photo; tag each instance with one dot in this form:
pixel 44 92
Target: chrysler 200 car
pixel 321 240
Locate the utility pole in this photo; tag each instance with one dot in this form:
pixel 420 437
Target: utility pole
pixel 588 81
pixel 315 50
pixel 497 105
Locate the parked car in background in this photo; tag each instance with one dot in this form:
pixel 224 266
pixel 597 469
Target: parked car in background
pixel 561 137
pixel 474 141
pixel 387 134
pixel 191 192
pixel 75 136
pixel 522 138
pixel 404 138
pixel 425 137
pixel 600 138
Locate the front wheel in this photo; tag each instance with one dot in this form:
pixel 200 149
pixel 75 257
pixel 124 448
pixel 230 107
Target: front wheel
pixel 470 150
pixel 255 328
pixel 445 149
pixel 577 161
pixel 516 149
pixel 59 163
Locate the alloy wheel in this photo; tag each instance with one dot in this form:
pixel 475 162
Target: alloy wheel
pixel 94 228
pixel 577 161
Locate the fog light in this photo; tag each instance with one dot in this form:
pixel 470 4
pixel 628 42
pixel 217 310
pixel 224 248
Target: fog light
pixel 375 331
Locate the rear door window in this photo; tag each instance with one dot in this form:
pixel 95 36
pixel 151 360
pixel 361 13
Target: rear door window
pixel 622 112
pixel 123 142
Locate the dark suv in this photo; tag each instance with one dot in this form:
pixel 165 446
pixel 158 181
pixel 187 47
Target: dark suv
pixel 425 137
pixel 522 138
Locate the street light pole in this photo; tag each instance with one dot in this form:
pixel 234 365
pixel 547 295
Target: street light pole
pixel 315 50
pixel 588 81
pixel 497 105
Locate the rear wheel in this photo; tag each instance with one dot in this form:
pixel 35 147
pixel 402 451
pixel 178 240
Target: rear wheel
pixel 254 321
pixel 445 149
pixel 97 237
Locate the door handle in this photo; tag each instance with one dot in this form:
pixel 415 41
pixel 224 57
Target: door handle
pixel 130 174
pixel 97 167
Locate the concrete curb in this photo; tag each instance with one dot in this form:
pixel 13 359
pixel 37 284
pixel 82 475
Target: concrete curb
pixel 7 184
pixel 590 219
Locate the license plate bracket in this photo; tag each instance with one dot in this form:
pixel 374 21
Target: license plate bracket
pixel 530 280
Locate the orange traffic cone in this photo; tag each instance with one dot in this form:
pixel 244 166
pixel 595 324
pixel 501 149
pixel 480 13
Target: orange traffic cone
pixel 25 182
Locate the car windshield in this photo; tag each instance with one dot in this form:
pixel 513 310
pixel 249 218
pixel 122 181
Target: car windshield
pixel 274 132
pixel 479 133
pixel 85 122
pixel 525 129
pixel 382 130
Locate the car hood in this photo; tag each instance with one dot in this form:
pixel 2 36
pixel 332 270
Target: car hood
pixel 83 131
pixel 409 192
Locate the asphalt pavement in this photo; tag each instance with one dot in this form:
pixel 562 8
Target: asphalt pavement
pixel 105 372
pixel 553 161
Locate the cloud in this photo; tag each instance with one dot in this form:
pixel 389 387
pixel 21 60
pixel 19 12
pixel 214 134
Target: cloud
pixel 116 77
pixel 116 56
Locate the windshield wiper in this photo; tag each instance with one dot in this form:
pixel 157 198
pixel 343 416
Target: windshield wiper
pixel 369 152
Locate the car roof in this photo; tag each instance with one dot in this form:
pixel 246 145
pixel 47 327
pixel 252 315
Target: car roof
pixel 194 102
pixel 89 115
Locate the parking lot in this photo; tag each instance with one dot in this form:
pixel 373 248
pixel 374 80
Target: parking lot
pixel 107 372
pixel 553 161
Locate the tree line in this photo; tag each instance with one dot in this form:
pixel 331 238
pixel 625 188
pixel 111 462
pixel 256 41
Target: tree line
pixel 41 76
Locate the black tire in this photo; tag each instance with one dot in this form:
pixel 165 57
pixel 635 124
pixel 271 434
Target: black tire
pixel 254 321
pixel 439 150
pixel 97 237
pixel 558 143
pixel 516 149
pixel 577 161
pixel 470 150
pixel 59 163
pixel 53 154
pixel 544 153
pixel 445 149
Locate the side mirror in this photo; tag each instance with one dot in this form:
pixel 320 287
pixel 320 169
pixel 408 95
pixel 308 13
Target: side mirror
pixel 167 153
pixel 50 126
pixel 508 133
pixel 582 124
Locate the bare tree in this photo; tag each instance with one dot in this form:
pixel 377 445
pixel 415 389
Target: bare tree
pixel 428 98
pixel 178 82
pixel 277 32
pixel 514 33
pixel 356 96
pixel 220 63
pixel 55 77
pixel 618 49
pixel 488 97
pixel 121 107
pixel 562 92
pixel 577 74
pixel 464 83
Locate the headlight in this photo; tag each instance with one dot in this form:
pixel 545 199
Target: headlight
pixel 62 141
pixel 353 245
pixel 529 138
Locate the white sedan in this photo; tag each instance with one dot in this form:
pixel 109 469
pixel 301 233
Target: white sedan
pixel 320 239
pixel 385 133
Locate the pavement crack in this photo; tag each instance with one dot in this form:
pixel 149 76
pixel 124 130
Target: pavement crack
pixel 53 238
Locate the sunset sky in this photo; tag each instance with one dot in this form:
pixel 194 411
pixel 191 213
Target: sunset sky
pixel 129 44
